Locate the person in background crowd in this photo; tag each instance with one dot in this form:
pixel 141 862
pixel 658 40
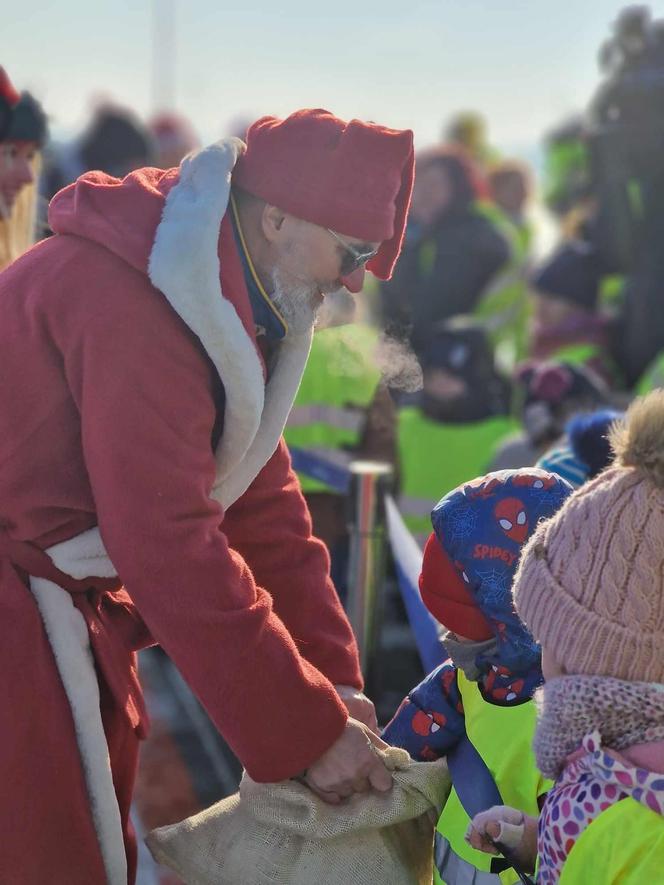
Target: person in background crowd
pixel 115 141
pixel 505 305
pixel 590 588
pixel 511 188
pixel 567 177
pixel 173 137
pixel 468 130
pixel 342 412
pixel 152 349
pixel 567 324
pixel 449 431
pixel 452 250
pixel 9 97
pixel 20 164
pixel 585 450
pixel 484 689
pixel 551 393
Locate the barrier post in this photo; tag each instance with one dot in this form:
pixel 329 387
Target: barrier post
pixel 370 481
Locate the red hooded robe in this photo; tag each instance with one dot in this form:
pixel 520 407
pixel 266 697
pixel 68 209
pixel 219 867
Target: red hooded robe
pixel 109 404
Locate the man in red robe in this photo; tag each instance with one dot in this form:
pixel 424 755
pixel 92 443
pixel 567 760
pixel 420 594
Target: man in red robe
pixel 151 350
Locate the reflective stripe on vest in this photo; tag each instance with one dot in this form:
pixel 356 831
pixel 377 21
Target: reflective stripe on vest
pixel 503 737
pixel 504 306
pixel 321 413
pixel 452 869
pixel 338 385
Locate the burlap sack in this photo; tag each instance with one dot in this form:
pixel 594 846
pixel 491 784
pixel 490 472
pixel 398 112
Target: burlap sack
pixel 283 834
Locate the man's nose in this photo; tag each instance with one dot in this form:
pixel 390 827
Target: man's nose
pixel 354 281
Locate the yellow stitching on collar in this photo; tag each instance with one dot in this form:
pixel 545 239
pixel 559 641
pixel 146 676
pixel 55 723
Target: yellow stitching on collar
pixel 271 305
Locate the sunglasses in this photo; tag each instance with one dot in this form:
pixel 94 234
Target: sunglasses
pixel 353 259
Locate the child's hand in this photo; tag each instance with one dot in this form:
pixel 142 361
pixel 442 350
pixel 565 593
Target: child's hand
pixel 506 826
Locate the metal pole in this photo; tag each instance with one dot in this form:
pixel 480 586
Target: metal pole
pixel 163 55
pixel 370 480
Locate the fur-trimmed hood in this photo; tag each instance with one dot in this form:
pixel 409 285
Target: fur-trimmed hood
pixel 172 226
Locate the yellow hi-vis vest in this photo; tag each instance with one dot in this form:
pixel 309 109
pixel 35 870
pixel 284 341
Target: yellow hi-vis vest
pixel 339 383
pixel 503 737
pixel 435 458
pixel 624 845
pixel 504 308
pixel 653 377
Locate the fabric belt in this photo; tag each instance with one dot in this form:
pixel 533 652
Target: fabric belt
pixel 87 594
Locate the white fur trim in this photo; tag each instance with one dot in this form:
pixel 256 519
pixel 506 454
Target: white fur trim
pixel 279 396
pixel 184 265
pixel 68 635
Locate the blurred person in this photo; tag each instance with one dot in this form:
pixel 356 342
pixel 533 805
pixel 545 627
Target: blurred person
pixel 342 412
pixel 567 323
pixel 511 187
pixel 468 130
pixel 173 137
pixel 9 97
pixel 567 176
pixel 549 395
pixel 483 691
pixel 505 306
pixel 152 349
pixel 238 125
pixel 589 587
pixel 20 164
pixel 585 450
pixel 114 141
pixel 452 250
pixel 450 431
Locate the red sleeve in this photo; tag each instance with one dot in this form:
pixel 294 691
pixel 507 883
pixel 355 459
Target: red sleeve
pixel 271 528
pixel 144 392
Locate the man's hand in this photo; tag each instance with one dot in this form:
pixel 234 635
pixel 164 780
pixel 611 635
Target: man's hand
pixel 358 705
pixel 349 766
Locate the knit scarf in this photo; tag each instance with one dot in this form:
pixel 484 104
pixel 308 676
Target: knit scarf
pixel 571 707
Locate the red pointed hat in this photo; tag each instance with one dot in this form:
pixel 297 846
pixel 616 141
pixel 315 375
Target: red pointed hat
pixel 355 178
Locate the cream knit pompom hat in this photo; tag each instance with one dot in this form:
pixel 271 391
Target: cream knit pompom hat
pixel 590 584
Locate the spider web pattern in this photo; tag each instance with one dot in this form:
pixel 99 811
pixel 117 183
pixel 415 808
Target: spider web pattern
pixel 462 522
pixel 547 501
pixel 495 585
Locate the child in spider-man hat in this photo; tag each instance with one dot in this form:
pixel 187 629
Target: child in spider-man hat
pixel 484 689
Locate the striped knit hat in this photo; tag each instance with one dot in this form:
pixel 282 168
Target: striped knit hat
pixel 590 584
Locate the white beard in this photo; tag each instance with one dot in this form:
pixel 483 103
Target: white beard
pixel 296 302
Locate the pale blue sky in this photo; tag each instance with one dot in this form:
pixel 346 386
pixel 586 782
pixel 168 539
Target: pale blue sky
pixel 524 63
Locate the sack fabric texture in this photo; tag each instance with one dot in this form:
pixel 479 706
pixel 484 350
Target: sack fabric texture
pixel 273 834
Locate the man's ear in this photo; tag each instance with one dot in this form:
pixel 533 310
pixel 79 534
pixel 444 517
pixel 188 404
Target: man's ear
pixel 272 222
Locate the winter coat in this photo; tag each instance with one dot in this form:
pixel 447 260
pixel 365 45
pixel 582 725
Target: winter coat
pixel 481 527
pixel 444 272
pixel 132 397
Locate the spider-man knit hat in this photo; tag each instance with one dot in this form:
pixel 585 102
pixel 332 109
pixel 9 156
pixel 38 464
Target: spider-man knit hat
pixel 481 527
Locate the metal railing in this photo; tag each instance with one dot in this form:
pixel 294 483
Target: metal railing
pixel 370 482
